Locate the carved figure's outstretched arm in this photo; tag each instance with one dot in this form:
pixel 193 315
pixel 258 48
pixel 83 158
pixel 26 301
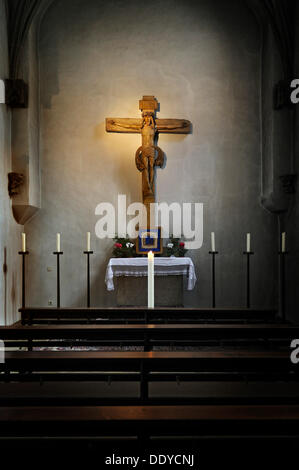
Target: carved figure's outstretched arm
pixel 169 127
pixel 137 127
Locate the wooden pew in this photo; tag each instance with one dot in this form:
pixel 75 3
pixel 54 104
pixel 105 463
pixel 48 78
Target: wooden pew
pixel 261 436
pixel 193 422
pixel 211 360
pixel 144 315
pixel 95 392
pixel 147 335
pixel 61 366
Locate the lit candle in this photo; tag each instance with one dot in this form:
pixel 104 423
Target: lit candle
pixel 58 242
pixel 150 280
pixel 248 243
pixel 283 242
pixel 213 246
pixel 24 242
pixel 88 241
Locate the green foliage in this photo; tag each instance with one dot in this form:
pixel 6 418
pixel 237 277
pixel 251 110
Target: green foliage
pixel 175 247
pixel 123 248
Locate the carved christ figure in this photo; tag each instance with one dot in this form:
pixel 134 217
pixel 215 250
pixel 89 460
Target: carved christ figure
pixel 148 155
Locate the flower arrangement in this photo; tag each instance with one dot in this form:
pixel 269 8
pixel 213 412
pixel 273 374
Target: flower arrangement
pixel 175 247
pixel 124 248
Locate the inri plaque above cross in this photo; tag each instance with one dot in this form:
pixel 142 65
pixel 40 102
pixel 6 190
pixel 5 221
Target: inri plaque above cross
pixel 148 155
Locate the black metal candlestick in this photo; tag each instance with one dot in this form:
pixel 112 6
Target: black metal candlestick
pixel 282 255
pixel 213 253
pixel 58 253
pixel 23 254
pixel 88 253
pixel 248 254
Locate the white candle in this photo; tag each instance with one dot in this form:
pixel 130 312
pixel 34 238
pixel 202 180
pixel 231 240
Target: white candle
pixel 24 242
pixel 88 241
pixel 213 246
pixel 150 280
pixel 283 242
pixel 248 243
pixel 58 242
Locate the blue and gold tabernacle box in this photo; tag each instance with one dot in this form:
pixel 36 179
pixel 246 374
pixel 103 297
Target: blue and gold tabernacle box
pixel 149 240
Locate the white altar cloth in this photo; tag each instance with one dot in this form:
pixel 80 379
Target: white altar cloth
pixel 138 267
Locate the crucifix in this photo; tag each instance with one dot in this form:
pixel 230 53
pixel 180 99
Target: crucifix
pixel 148 156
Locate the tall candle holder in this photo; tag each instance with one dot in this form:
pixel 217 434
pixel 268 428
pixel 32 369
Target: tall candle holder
pixel 213 254
pixel 23 254
pixel 88 253
pixel 58 254
pixel 248 298
pixel 282 307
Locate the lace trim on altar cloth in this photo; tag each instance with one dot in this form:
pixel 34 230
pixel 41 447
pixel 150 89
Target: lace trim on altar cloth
pixel 137 267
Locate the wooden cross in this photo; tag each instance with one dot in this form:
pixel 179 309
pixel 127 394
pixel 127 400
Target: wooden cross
pixel 148 155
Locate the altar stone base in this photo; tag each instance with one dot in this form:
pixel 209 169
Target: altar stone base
pixel 132 291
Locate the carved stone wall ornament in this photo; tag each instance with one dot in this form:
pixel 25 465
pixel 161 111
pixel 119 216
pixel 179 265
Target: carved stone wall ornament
pixel 16 93
pixel 15 180
pixel 288 183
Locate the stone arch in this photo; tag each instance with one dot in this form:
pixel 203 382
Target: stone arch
pixel 276 13
pixel 22 14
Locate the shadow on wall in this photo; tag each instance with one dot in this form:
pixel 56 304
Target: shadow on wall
pixel 98 273
pixel 13 292
pixel 5 285
pixel 14 306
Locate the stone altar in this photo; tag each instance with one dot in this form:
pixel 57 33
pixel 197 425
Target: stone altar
pixel 171 274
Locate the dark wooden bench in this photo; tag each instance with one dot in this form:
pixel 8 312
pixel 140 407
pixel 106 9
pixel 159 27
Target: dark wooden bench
pixel 148 421
pixel 95 392
pixel 143 315
pixel 146 335
pixel 233 359
pixel 146 367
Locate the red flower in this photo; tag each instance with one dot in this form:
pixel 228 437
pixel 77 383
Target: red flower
pixel 182 244
pixel 118 245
